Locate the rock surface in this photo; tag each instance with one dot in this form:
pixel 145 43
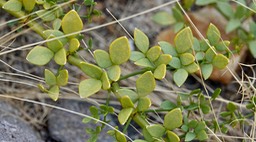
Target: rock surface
pixel 13 128
pixel 67 127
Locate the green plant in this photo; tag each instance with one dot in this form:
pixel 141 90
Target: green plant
pixel 187 56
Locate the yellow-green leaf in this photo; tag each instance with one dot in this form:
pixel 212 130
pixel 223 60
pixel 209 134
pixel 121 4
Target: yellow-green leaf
pixel 213 34
pixel 49 77
pixel 105 81
pixel 73 45
pixel 133 95
pixel 56 33
pixel 141 40
pixel 29 4
pixel 46 15
pixel 184 40
pixel 143 104
pixel 120 137
pixel 206 70
pixel 220 61
pixel 114 72
pixel 210 54
pixel 175 63
pixel 164 18
pixel 54 92
pixel 89 87
pixel 163 59
pixel 62 78
pixel 145 84
pixel 39 55
pixel 102 58
pixel 153 53
pixel 173 119
pixel 156 130
pixel 124 115
pixel 136 55
pixel 119 50
pixel 172 137
pixel 71 23
pixel 54 45
pixel 168 48
pixel 192 68
pixel 56 24
pixel 91 70
pixel 160 71
pixel 187 58
pixel 144 62
pixel 126 102
pixel 12 5
pixel 60 57
pixel 180 76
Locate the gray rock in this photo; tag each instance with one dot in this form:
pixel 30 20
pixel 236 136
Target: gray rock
pixel 13 128
pixel 66 127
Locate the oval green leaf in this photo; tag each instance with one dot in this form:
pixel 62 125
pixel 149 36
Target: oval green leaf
pixel 133 95
pixel 114 72
pixel 206 70
pixel 143 104
pixel 62 78
pixel 119 50
pixel 160 71
pixel 187 58
pixel 124 115
pixel 126 102
pixel 163 59
pixel 144 62
pixel 173 119
pixel 89 87
pixel 145 84
pixel 71 23
pixel 175 63
pixel 54 45
pixel 191 68
pixel 56 24
pixel 172 137
pixel 184 40
pixel 213 34
pixel 190 136
pixel 136 55
pixel 12 5
pixel 102 58
pixel 39 55
pixel 46 15
pixel 156 130
pixel 29 4
pixel 153 53
pixel 163 18
pixel 49 77
pixel 60 57
pixel 180 76
pixel 168 48
pixel 54 92
pixel 220 61
pixel 210 54
pixel 141 40
pixel 105 81
pixel 56 33
pixel 91 70
pixel 73 45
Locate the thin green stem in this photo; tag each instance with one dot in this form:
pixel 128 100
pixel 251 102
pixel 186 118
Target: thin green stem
pixel 127 125
pixel 156 110
pixel 134 73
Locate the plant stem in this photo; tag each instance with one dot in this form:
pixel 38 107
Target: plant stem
pixel 21 14
pixel 156 110
pixel 140 120
pixel 134 73
pixel 127 125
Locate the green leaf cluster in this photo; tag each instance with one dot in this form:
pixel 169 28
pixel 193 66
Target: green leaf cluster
pixel 152 58
pixel 108 69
